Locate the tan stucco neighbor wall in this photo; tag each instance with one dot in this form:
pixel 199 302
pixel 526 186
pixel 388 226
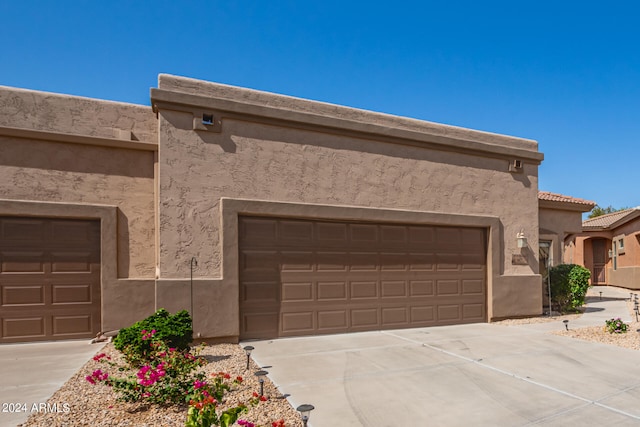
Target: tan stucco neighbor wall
pixel 69 157
pixel 272 148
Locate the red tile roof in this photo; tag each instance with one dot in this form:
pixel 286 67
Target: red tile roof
pixel 608 220
pixel 554 197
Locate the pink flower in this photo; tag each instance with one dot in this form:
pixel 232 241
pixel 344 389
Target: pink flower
pixel 199 384
pixel 90 379
pixel 245 423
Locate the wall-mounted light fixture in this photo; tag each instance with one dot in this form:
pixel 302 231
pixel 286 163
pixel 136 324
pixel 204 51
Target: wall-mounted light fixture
pixel 522 240
pixel 610 253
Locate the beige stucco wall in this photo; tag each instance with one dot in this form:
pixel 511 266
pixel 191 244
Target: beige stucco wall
pixel 338 157
pixel 556 225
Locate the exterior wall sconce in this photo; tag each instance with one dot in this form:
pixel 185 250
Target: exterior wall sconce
pixel 522 240
pixel 610 253
pixel 305 410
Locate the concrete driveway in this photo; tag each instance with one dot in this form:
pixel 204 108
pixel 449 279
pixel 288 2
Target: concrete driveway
pixel 467 375
pixel 30 373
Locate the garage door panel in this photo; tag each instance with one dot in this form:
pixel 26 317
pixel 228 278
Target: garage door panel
pixel 21 328
pixel 472 287
pixel 363 290
pixel 364 261
pixel 260 262
pixel 473 312
pixel 331 261
pixel 332 291
pixel 421 288
pixel 332 320
pixel 71 294
pixel 364 235
pixel 297 323
pixel 363 276
pixel 258 231
pixel 449 312
pixel 260 324
pixel 331 234
pixel 297 292
pixel 69 325
pixel 23 295
pixel 295 233
pixel 393 261
pixel 296 261
pixel 260 292
pixel 448 287
pixel 393 289
pixel 394 236
pixel 422 261
pixel 49 279
pixel 21 261
pixel 394 316
pixel 22 230
pixel 422 313
pixel 364 318
pixel 68 262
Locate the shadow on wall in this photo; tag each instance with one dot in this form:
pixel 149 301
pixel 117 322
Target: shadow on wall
pixel 123 245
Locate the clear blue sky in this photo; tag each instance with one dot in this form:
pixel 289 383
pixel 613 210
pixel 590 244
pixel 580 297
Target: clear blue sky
pixel 565 73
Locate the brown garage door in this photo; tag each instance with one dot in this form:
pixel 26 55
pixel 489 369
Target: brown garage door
pixel 301 277
pixel 49 279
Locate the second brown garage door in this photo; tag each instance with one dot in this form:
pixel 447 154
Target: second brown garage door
pixel 302 277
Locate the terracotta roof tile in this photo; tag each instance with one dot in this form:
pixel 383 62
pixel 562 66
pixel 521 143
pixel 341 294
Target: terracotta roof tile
pixel 606 221
pixel 554 197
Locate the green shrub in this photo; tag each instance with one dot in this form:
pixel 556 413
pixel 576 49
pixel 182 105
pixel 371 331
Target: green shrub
pixel 135 342
pixel 569 284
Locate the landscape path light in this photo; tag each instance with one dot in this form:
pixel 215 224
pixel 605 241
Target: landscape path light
pixel 247 350
pixel 261 374
pixel 566 324
pixel 305 410
pixel 600 295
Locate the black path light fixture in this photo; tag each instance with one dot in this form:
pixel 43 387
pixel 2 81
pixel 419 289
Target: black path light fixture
pixel 261 374
pixel 305 411
pixel 247 350
pixel 566 324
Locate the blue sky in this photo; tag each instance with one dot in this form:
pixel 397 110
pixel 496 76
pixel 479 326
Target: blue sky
pixel 564 73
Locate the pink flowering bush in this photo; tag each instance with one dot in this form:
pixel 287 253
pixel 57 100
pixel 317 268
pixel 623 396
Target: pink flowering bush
pixel 167 377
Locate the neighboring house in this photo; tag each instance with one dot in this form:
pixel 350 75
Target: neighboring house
pixel 264 215
pixel 609 247
pixel 560 218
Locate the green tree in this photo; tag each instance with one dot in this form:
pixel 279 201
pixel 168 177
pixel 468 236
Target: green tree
pixel 599 211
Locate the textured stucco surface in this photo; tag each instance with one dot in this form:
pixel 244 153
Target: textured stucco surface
pixel 74 115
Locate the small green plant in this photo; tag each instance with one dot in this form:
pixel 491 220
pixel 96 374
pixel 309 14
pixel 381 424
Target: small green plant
pixel 175 331
pixel 616 326
pixel 569 284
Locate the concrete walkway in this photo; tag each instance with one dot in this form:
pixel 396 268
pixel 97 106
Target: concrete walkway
pixel 478 375
pixel 31 373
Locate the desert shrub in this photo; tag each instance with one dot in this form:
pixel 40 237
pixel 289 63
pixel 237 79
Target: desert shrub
pixel 569 284
pixel 175 331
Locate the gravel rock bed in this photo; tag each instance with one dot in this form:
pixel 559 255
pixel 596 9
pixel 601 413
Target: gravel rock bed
pixel 96 405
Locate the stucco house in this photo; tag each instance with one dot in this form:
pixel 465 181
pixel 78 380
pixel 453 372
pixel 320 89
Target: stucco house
pixel 609 246
pixel 264 215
